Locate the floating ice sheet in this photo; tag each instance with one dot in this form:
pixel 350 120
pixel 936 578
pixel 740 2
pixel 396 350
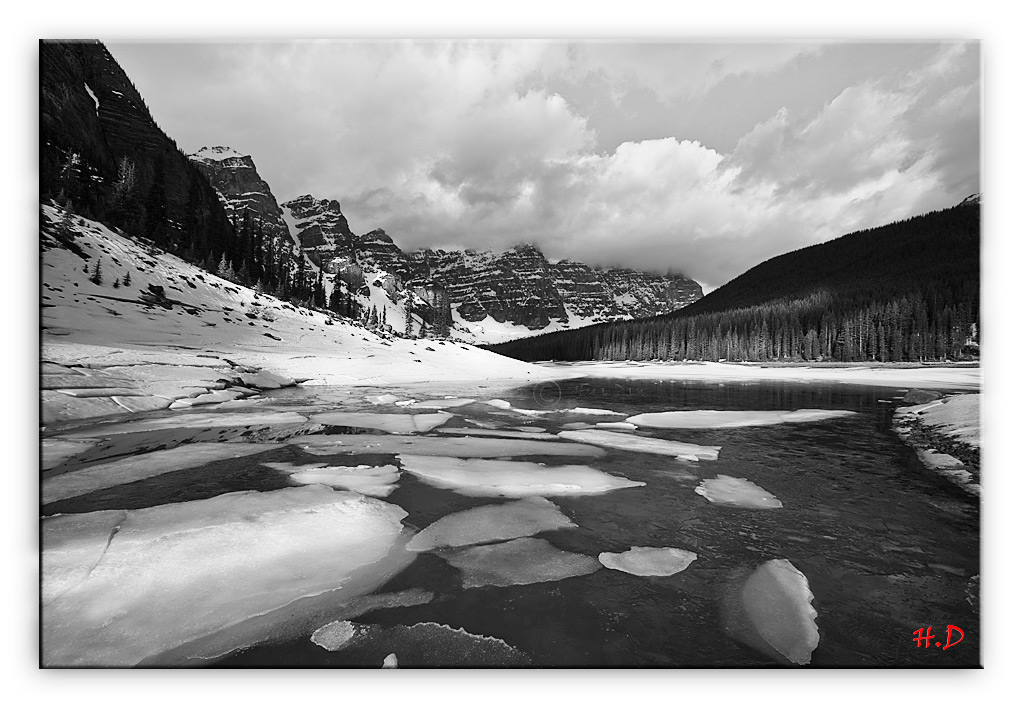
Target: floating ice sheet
pixel 489 523
pixel 499 404
pixel 621 425
pixel 732 419
pixel 468 447
pixel 539 435
pixel 504 478
pixel 59 450
pixel 122 586
pixel 241 419
pixel 591 412
pixel 517 563
pixel 440 403
pixel 368 480
pixel 145 465
pixel 648 561
pixel 777 601
pixel 641 444
pixel 334 635
pixel 392 423
pixel 737 492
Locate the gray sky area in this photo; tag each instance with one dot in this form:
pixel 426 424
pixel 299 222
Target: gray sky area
pixel 704 158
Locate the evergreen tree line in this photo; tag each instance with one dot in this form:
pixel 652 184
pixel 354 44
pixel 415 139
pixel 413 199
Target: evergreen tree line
pixel 908 291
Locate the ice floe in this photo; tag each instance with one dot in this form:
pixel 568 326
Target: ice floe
pixel 440 403
pixel 490 523
pixel 145 465
pixel 736 492
pixel 648 561
pixel 123 586
pixel 622 425
pixel 334 635
pixel 392 423
pixel 499 404
pixel 419 645
pixel 538 435
pixel 777 601
pixel 504 478
pixel 732 419
pixel 376 481
pixel 591 412
pixel 230 420
pixel 56 451
pixel 517 563
pixel 466 447
pixel 390 662
pixel 642 444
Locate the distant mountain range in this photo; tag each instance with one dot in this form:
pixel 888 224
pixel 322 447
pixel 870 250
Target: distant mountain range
pixel 907 291
pixel 490 295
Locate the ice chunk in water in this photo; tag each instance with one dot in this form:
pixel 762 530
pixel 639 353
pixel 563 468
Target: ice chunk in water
pixel 489 523
pixel 179 573
pixel 440 403
pixel 383 399
pixel 642 444
pixel 500 433
pixel 621 425
pixel 517 563
pixel 592 412
pixel 470 446
pixel 364 479
pixel 499 404
pixel 334 635
pixel 230 420
pixel 777 601
pixel 392 423
pixel 59 450
pixel 390 662
pixel 648 561
pixel 145 465
pixel 732 419
pixel 505 478
pixel 737 492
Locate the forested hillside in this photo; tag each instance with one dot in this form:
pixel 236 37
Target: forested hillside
pixel 907 291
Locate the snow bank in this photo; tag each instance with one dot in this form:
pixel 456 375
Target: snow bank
pixel 467 447
pixel 364 479
pixel 736 492
pixel 732 419
pixel 517 563
pixel 145 465
pixel 642 444
pixel 392 423
pixel 648 561
pixel 777 601
pixel 956 416
pixel 503 478
pixel 489 523
pixel 123 586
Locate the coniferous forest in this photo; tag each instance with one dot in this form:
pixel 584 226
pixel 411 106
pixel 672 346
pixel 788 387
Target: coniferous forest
pixel 903 292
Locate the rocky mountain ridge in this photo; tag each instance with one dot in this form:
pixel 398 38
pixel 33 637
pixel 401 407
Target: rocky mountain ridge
pixel 519 289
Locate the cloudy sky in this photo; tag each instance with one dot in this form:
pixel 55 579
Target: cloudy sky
pixel 705 158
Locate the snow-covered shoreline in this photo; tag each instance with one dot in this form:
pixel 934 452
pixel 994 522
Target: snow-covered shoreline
pixel 946 435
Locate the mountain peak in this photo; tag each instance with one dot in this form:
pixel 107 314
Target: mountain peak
pixel 216 153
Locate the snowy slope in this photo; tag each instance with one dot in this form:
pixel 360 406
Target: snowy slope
pixel 207 329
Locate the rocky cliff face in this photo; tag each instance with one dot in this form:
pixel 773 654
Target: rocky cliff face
pixel 102 150
pixel 518 287
pixel 241 189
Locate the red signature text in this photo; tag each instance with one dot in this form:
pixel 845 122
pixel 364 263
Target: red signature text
pixel 925 636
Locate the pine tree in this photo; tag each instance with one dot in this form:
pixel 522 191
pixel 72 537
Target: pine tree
pixel 97 274
pixel 128 278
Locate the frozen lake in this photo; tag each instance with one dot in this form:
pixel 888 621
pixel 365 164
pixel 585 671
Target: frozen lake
pixel 884 545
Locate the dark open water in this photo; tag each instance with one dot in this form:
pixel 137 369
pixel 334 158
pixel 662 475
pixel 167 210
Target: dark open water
pixel 887 546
